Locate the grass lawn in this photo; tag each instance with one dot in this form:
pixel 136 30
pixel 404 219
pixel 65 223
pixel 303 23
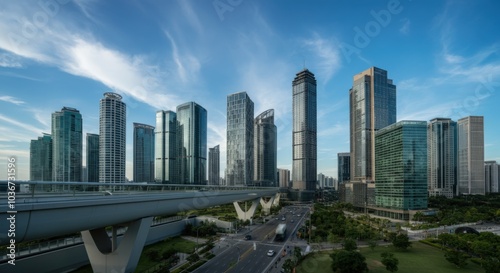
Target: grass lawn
pixel 177 243
pixel 419 258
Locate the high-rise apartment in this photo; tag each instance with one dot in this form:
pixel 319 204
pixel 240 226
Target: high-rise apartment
pixel 471 155
pixel 265 149
pixel 165 167
pixel 67 142
pixel 372 107
pixel 491 176
pixel 41 158
pixel 304 136
pixel 191 147
pixel 343 167
pixel 442 157
pixel 401 168
pixel 112 133
pixel 92 157
pixel 283 178
pixel 239 167
pixel 143 152
pixel 214 166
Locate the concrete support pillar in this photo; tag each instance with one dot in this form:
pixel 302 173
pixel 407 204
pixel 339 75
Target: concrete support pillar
pixel 246 215
pixel 107 257
pixel 277 199
pixel 266 206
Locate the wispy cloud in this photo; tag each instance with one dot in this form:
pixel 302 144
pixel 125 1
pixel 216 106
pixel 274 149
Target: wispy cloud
pixel 20 124
pixel 9 60
pixel 11 100
pixel 405 28
pixel 327 53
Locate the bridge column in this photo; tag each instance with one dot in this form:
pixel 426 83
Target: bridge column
pixel 246 215
pixel 277 199
pixel 107 257
pixel 266 206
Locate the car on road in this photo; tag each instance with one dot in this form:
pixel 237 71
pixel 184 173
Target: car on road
pixel 270 253
pixel 292 221
pixel 248 237
pixel 283 219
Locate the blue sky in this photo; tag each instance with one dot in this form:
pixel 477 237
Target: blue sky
pixel 442 55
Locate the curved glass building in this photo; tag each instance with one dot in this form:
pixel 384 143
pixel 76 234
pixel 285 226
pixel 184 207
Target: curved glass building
pixel 265 149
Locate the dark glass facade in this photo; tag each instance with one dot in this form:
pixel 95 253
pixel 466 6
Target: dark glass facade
pixel 143 153
pixel 265 150
pixel 92 157
pixel 343 167
pixel 165 167
pixel 67 142
pixel 214 166
pixel 41 158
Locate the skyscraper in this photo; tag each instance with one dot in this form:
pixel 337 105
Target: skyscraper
pixel 372 107
pixel 283 178
pixel 442 157
pixel 143 152
pixel 214 166
pixel 92 157
pixel 191 138
pixel 239 167
pixel 471 155
pixel 401 168
pixel 265 149
pixel 304 138
pixel 112 133
pixel 165 167
pixel 67 141
pixel 41 158
pixel 491 176
pixel 343 167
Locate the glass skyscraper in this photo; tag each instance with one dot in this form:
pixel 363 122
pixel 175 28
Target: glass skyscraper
pixel 491 176
pixel 265 149
pixel 442 157
pixel 239 167
pixel 343 167
pixel 304 138
pixel 471 155
pixel 67 142
pixel 143 152
pixel 401 166
pixel 41 158
pixel 372 107
pixel 112 133
pixel 92 157
pixel 214 166
pixel 191 139
pixel 165 167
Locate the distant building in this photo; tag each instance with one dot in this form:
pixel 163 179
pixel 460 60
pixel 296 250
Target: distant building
pixel 143 152
pixel 321 181
pixel 401 169
pixel 283 178
pixel 112 138
pixel 240 134
pixel 214 166
pixel 343 167
pixel 191 147
pixel 92 157
pixel 491 176
pixel 41 158
pixel 471 155
pixel 442 157
pixel 165 152
pixel 304 138
pixel 265 150
pixel 67 143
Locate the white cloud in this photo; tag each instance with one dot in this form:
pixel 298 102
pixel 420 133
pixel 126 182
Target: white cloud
pixel 327 54
pixel 20 124
pixel 9 60
pixel 11 100
pixel 405 28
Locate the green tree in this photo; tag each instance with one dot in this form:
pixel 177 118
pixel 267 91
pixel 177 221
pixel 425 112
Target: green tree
pixel 344 261
pixel 349 244
pixel 401 241
pixel 457 258
pixel 288 266
pixel 372 244
pixel 491 265
pixel 297 254
pixel 390 262
pixel 193 258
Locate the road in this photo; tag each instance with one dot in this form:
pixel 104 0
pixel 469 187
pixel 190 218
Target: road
pixel 235 254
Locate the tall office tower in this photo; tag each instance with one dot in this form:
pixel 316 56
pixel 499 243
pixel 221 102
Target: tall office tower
pixel 191 145
pixel 442 157
pixel 401 168
pixel 372 107
pixel 304 138
pixel 41 158
pixel 471 155
pixel 343 167
pixel 265 149
pixel 214 166
pixel 92 157
pixel 283 178
pixel 67 142
pixel 165 167
pixel 491 176
pixel 144 159
pixel 239 166
pixel 321 180
pixel 112 133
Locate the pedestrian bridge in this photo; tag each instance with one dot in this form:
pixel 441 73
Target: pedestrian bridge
pixel 48 209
